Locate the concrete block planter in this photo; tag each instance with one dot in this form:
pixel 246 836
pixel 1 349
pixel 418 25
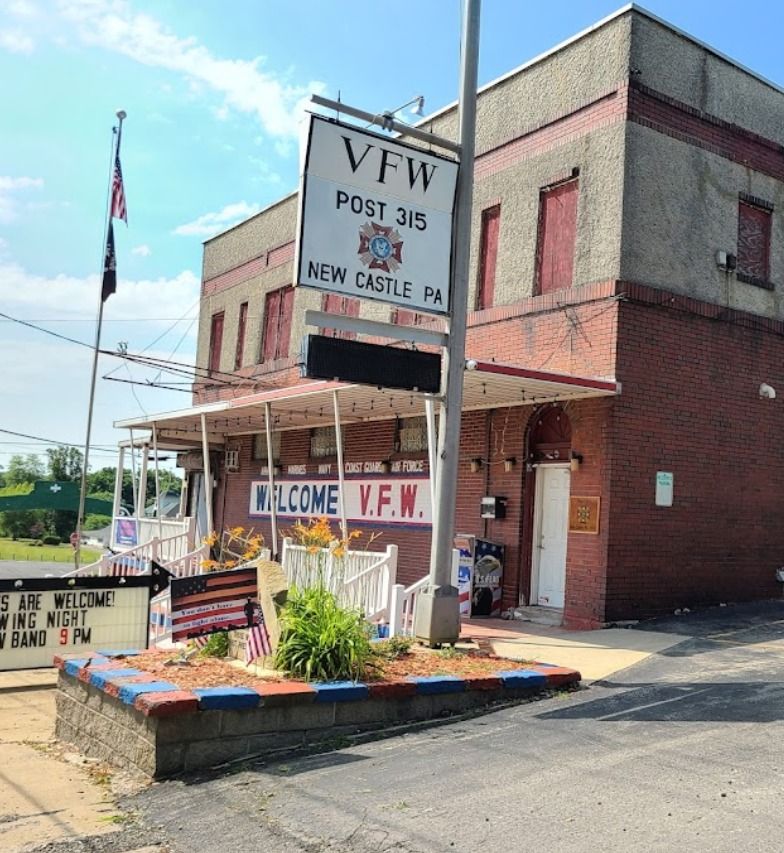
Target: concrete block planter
pixel 136 721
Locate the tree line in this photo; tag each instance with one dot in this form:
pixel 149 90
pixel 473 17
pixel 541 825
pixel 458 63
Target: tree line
pixel 65 464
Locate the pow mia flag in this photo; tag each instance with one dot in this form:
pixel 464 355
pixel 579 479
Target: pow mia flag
pixel 109 266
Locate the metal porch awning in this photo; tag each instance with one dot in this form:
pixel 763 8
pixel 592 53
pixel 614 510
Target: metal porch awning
pixel 487 385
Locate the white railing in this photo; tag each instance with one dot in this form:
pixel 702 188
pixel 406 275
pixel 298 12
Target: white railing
pixel 137 560
pixel 189 564
pixel 403 601
pixel 362 579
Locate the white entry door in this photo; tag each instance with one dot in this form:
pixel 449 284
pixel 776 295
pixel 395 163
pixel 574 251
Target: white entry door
pixel 551 524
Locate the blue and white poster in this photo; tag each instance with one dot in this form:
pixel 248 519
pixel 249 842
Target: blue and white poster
pixel 488 578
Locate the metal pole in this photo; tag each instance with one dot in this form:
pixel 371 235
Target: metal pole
pixel 438 616
pixel 91 401
pixel 157 481
pixel 341 476
pixel 271 480
pixel 205 449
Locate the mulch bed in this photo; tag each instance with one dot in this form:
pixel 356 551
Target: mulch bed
pixel 218 672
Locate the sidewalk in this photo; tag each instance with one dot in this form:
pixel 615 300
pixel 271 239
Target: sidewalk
pixel 42 797
pixel 596 654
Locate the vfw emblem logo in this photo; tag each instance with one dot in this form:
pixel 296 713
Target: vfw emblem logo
pixel 380 247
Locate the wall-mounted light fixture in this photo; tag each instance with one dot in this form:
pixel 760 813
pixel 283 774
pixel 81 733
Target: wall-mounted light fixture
pixel 386 466
pixel 726 260
pixel 476 465
pixel 767 392
pixel 575 461
pixel 509 464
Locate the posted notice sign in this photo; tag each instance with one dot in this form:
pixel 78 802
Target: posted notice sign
pixel 375 218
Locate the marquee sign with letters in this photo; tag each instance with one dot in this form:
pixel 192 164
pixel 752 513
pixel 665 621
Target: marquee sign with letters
pixel 44 617
pixel 375 218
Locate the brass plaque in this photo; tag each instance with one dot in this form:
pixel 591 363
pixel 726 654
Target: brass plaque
pixel 583 515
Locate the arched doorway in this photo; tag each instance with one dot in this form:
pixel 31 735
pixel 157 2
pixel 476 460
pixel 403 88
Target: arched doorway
pixel 550 450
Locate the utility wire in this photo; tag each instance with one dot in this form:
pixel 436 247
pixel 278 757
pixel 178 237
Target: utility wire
pixel 54 441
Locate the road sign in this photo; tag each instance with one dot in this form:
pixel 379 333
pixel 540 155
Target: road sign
pixel 375 218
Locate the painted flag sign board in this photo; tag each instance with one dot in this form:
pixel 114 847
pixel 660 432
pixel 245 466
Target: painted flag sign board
pixel 488 578
pixel 217 601
pixel 375 218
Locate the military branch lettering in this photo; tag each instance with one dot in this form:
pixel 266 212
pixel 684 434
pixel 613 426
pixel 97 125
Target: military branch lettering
pixel 375 218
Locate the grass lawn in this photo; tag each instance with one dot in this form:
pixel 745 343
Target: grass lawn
pixel 22 549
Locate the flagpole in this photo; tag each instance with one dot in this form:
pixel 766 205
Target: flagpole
pixel 116 135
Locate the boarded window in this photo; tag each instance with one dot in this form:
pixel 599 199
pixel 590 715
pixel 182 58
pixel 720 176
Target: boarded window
pixel 323 442
pixel 216 342
pixel 557 231
pixel 242 322
pixel 260 446
pixel 488 252
pixel 412 435
pixel 346 306
pixel 753 243
pixel 404 317
pixel 278 305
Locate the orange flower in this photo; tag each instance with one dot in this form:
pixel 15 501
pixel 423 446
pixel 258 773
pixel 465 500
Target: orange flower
pixel 229 564
pixel 210 539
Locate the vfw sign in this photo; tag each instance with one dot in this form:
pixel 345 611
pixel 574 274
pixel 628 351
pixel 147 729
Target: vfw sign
pixel 383 501
pixel 375 218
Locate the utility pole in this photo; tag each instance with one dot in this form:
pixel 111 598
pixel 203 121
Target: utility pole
pixel 437 618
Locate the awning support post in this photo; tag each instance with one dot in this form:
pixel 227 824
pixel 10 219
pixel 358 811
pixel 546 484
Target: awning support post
pixel 157 480
pixel 118 484
pixel 142 491
pixel 341 476
pixel 271 480
pixel 205 450
pixel 133 472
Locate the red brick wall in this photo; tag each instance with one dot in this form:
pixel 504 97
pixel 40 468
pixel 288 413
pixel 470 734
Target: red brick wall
pixel 690 405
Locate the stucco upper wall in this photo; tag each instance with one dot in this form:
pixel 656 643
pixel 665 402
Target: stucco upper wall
pixel 547 88
pixel 268 229
pixel 680 208
pixel 677 66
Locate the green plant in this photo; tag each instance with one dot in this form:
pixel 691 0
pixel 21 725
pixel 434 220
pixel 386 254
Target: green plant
pixel 50 539
pixel 320 640
pixel 217 645
pixel 37 543
pixel 393 648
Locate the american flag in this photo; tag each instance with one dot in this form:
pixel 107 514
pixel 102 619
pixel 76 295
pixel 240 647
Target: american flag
pixel 218 601
pixel 258 642
pixel 119 210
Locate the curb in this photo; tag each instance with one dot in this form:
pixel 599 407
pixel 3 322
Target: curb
pixel 157 698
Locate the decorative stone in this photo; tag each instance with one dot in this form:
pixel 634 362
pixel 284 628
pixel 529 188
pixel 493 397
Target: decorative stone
pixel 428 685
pixel 226 698
pixel 340 691
pixel 514 678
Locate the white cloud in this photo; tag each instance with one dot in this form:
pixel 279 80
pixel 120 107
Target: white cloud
pixel 15 41
pixel 263 172
pixel 9 187
pixel 212 223
pixel 144 251
pixel 276 103
pixel 63 296
pixel 22 9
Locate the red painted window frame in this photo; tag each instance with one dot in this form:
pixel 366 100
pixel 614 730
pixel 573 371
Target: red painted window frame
pixel 754 270
pixel 216 341
pixel 557 240
pixel 488 256
pixel 276 330
pixel 346 306
pixel 242 323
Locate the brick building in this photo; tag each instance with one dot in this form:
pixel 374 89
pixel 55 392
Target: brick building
pixel 615 345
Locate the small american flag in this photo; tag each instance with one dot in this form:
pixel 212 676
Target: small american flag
pixel 258 642
pixel 119 210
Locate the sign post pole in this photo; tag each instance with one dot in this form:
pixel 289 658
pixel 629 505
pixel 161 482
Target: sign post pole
pixel 437 619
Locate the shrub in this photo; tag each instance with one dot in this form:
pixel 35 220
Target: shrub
pixel 320 640
pixel 37 543
pixel 217 645
pixel 393 648
pixel 50 540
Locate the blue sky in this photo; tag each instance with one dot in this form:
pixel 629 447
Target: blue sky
pixel 214 95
